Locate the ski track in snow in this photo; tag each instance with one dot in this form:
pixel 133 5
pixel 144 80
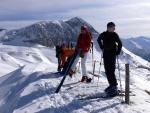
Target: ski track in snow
pixel 29 85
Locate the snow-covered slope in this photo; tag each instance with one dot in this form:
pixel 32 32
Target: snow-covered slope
pixel 2 32
pixel 139 46
pixel 27 83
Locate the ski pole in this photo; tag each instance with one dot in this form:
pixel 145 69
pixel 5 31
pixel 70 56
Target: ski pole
pixel 67 71
pixel 99 69
pixel 93 64
pixel 120 79
pixel 93 70
pixel 92 54
pixel 100 62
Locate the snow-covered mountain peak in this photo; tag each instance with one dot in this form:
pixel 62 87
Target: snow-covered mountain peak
pixel 76 19
pixel 53 32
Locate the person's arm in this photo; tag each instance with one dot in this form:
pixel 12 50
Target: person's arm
pixel 119 44
pixel 99 40
pixel 77 45
pixel 88 44
pixel 63 59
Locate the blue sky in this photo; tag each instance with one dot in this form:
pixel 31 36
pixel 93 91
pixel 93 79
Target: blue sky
pixel 132 17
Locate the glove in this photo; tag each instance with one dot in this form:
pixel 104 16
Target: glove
pixel 77 49
pixel 102 47
pixel 81 54
pixel 117 52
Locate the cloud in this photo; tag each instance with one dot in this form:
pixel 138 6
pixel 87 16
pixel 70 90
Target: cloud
pixel 16 24
pixel 131 16
pixel 28 7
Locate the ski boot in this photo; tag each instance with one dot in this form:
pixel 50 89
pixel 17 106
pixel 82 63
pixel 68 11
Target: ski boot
pixel 84 78
pixel 108 88
pixel 88 80
pixel 113 91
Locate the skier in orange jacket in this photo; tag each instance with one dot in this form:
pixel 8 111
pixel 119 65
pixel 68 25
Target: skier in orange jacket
pixel 66 52
pixel 63 54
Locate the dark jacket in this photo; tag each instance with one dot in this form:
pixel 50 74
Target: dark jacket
pixel 107 41
pixel 58 51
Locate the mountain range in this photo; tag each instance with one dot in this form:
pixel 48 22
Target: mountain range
pixel 51 33
pixel 139 46
pixel 28 79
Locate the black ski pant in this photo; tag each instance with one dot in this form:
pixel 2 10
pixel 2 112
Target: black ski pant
pixel 109 57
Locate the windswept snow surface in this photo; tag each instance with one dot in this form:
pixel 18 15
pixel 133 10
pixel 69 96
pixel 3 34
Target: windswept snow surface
pixel 27 83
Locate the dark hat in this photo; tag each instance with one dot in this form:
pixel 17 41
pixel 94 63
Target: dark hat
pixel 110 24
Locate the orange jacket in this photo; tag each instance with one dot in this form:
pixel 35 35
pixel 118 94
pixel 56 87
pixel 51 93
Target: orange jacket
pixel 66 52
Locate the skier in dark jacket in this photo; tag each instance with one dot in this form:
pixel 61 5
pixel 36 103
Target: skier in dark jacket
pixel 111 45
pixel 58 55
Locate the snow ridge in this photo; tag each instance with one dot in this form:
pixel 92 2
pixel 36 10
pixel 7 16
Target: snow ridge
pixel 28 81
pixel 30 88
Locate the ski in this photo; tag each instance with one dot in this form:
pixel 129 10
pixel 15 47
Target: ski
pixel 119 91
pixel 93 74
pixel 88 97
pixel 67 71
pixel 123 91
pixel 74 85
pixel 100 96
pixel 51 73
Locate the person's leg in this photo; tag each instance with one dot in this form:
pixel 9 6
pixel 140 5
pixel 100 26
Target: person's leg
pixel 75 63
pixel 110 71
pixel 83 65
pixel 106 66
pixel 59 62
pixel 63 71
pixel 73 66
pixel 85 76
pixel 109 64
pixel 65 66
pixel 113 79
